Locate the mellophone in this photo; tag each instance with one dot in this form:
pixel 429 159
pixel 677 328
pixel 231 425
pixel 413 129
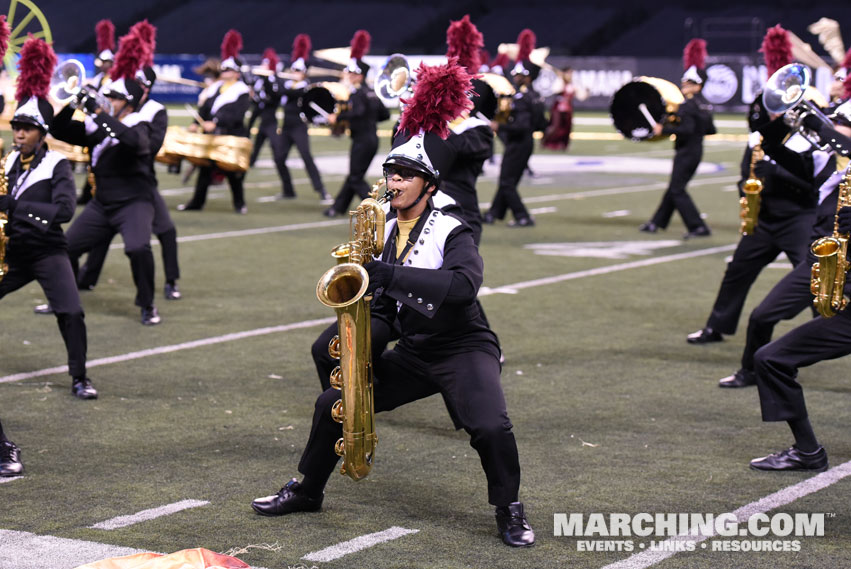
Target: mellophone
pixel 226 152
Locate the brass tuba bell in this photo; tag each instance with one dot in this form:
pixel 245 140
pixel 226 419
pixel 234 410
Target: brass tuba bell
pixel 395 80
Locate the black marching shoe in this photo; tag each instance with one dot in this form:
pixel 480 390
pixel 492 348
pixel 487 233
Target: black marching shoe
pixel 513 527
pixel 793 459
pixel 488 218
pixel 325 198
pixel 701 231
pixel 331 212
pixel 648 227
pixel 150 316
pixel 704 336
pixel 289 499
pixel 522 222
pixel 172 292
pixel 82 388
pixel 43 309
pixel 742 378
pixel 10 459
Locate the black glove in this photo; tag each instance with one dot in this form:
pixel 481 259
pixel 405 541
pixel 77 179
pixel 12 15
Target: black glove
pixel 844 217
pixel 380 275
pixel 812 122
pixel 763 169
pixel 86 102
pixel 7 203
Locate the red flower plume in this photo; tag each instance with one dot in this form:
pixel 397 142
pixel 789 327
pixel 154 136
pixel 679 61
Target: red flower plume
pixel 501 60
pixel 105 35
pixel 301 47
pixel 695 54
pixel 525 43
pixel 148 34
pixel 846 87
pixel 271 58
pixel 231 44
pixel 464 41
pixel 5 32
pixel 36 68
pixel 132 52
pixel 776 49
pixel 360 44
pixel 440 95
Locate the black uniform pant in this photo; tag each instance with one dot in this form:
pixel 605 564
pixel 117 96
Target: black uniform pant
pixel 53 272
pixel 470 385
pixel 785 301
pixel 752 254
pixel 133 220
pixel 205 177
pixel 268 129
pixel 364 147
pixel 676 198
pixel 298 135
pixel 514 163
pixel 780 395
pixel 163 228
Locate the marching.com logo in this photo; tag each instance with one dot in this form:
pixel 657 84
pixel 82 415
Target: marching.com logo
pixel 689 531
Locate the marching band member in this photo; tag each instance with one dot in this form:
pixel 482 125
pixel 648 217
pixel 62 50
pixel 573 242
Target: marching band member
pixel 787 205
pixel 223 112
pixel 295 128
pixel 265 98
pixel 557 135
pixel 518 140
pixel 692 124
pixel 838 93
pixel 40 198
pixel 363 113
pixel 163 226
pixel 431 271
pixel 10 456
pixel 119 144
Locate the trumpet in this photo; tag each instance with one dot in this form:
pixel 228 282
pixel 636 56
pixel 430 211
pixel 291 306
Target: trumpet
pixel 394 80
pixel 788 92
pixel 67 87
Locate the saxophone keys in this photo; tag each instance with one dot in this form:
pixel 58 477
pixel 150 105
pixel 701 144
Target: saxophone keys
pixel 340 449
pixel 337 414
pixel 334 347
pixel 337 378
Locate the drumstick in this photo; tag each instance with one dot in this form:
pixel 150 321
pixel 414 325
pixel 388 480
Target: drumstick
pixel 322 112
pixel 643 108
pixel 194 113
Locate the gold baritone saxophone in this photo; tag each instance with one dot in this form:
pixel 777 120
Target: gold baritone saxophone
pixel 828 274
pixel 4 190
pixel 752 188
pixel 343 288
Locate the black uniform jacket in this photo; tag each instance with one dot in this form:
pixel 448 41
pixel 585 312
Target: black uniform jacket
pixel 155 114
pixel 363 112
pixel 472 141
pixel 432 295
pixel 120 152
pixel 290 96
pixel 692 123
pixel 520 122
pixel 45 197
pixel 226 109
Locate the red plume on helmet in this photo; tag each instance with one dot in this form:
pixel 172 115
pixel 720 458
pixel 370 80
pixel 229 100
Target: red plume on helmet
pixel 695 54
pixel 526 44
pixel 5 32
pixel 484 57
pixel 105 35
pixel 36 68
pixel 776 49
pixel 464 41
pixel 846 87
pixel 440 95
pixel 132 52
pixel 360 44
pixel 271 58
pixel 846 63
pixel 148 34
pixel 231 44
pixel 501 60
pixel 301 47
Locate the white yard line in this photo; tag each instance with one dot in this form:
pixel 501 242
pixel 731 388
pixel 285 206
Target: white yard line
pixel 149 514
pixel 4 480
pixel 773 501
pixel 357 544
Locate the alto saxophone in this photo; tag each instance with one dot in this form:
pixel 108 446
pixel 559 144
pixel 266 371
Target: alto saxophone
pixel 828 273
pixel 343 288
pixel 4 190
pixel 752 189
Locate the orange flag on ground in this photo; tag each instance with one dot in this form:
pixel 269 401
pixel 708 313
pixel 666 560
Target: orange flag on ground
pixel 197 558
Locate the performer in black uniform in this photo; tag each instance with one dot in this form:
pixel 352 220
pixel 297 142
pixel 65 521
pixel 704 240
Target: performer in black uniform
pixel 693 121
pixel 295 127
pixel 119 144
pixel 792 295
pixel 432 268
pixel 163 226
pixel 223 112
pixel 40 198
pixel 265 98
pixel 363 112
pixel 516 134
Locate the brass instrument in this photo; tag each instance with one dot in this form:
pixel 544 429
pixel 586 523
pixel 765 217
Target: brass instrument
pixel 789 92
pixel 828 273
pixel 394 80
pixel 343 288
pixel 752 189
pixel 68 87
pixel 4 190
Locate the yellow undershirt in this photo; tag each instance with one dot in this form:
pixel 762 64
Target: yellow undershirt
pixel 226 85
pixel 405 228
pixel 841 163
pixel 25 162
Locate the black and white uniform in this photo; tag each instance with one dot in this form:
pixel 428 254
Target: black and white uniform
pixel 44 197
pixel 264 105
pixel 163 226
pixel 365 110
pixel 444 347
pixel 227 109
pixel 516 134
pixel 472 141
pixel 124 201
pixel 693 122
pixel 786 215
pixel 294 132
